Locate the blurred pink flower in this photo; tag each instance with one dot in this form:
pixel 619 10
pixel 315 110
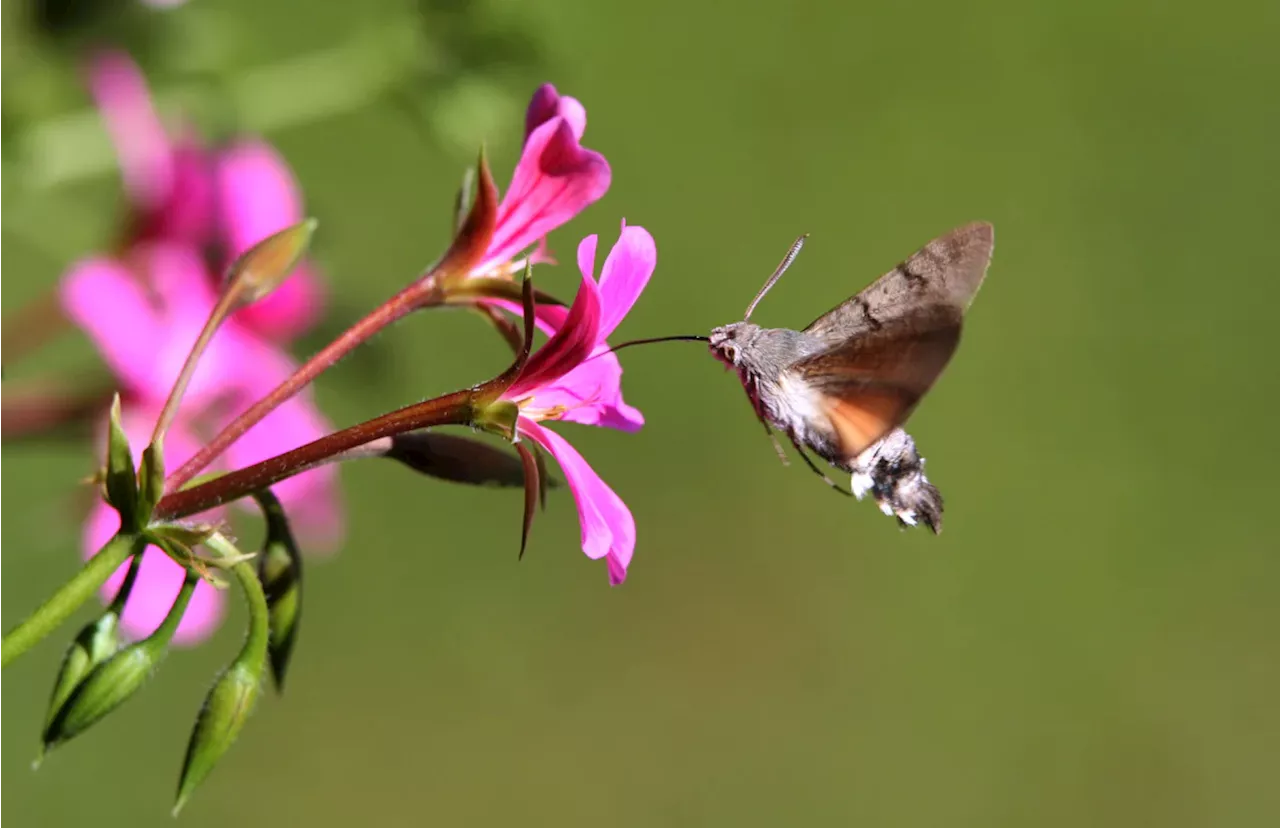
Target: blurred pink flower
pixel 555 179
pixel 225 199
pixel 575 378
pixel 143 328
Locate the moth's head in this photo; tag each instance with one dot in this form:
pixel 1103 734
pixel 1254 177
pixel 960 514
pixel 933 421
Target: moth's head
pixel 729 343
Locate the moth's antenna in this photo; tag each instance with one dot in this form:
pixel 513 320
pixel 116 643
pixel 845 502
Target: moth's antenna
pixel 777 274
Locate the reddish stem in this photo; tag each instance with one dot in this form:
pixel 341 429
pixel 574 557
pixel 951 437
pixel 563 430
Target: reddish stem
pixel 467 249
pixel 452 409
pixel 419 294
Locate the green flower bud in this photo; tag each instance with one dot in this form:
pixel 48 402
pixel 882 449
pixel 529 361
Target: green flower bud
pixel 224 712
pixel 262 268
pixel 117 678
pixel 280 571
pixel 121 481
pixel 106 687
pixel 97 642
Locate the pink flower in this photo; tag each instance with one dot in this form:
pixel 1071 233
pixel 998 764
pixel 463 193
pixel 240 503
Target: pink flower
pixel 575 378
pixel 143 327
pixel 555 179
pixel 181 191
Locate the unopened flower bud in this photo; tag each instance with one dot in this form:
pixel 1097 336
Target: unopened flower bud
pixel 97 641
pixel 261 268
pixel 105 688
pixel 117 678
pixel 280 572
pixel 224 712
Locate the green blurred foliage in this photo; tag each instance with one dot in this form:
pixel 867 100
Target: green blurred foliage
pixel 1090 642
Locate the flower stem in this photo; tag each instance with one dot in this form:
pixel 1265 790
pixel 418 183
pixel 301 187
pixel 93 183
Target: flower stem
pixel 216 316
pixel 255 646
pixel 452 409
pixel 417 295
pixel 430 289
pixel 69 596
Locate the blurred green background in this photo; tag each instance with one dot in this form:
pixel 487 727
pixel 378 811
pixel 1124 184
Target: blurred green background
pixel 1092 640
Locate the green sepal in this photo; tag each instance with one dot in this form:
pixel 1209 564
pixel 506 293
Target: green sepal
pixel 121 477
pixel 499 417
pixel 150 480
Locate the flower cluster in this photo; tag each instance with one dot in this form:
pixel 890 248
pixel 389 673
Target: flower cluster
pixel 192 313
pixel 144 307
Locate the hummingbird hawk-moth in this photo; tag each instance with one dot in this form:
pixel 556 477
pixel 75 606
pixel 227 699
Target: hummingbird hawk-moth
pixel 843 386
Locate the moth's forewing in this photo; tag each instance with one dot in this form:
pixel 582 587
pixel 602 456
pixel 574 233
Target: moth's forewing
pixel 888 344
pixel 947 271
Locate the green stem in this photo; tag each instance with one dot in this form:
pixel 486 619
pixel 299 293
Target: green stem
pixel 255 646
pixel 173 618
pixel 216 316
pixel 122 595
pixel 69 596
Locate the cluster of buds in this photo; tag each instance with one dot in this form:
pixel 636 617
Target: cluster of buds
pixel 157 515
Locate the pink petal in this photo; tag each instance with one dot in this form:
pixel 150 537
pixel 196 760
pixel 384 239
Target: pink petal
pixel 186 213
pixel 608 529
pixel 103 299
pixel 546 104
pixel 624 277
pixel 120 92
pixel 568 347
pixel 288 311
pixel 160 578
pixel 592 394
pixel 555 179
pixel 257 194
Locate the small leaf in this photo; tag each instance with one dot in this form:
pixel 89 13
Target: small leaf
pixel 261 268
pixel 223 714
pixel 121 479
